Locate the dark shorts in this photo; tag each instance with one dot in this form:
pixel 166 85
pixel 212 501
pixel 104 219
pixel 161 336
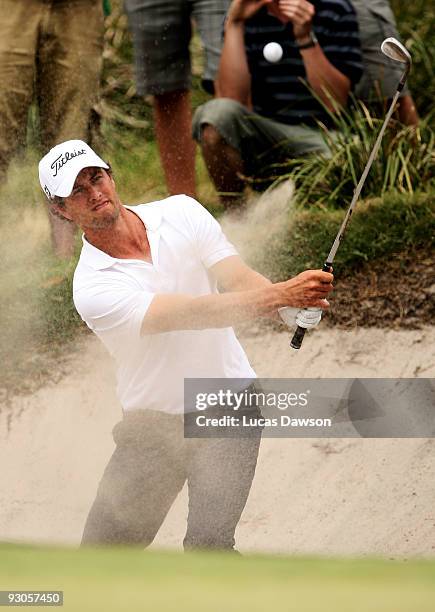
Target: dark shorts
pixel 161 36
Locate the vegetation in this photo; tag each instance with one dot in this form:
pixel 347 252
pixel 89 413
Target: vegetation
pixel 407 221
pixel 405 162
pixel 114 579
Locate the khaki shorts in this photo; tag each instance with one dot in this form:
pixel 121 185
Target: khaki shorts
pixel 51 51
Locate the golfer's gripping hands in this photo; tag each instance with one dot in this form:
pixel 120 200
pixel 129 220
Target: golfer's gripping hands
pixel 306 318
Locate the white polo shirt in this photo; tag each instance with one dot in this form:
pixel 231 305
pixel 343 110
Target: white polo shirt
pixel 112 297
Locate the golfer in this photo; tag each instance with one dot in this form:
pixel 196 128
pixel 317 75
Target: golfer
pixel 161 286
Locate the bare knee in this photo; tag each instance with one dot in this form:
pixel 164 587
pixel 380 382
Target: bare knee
pixel 214 146
pixel 210 137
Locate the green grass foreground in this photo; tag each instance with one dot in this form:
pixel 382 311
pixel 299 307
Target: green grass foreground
pixel 133 580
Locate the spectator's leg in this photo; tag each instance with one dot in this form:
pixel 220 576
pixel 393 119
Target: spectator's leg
pixel 223 129
pixel 173 121
pixel 407 111
pixel 19 23
pixel 236 143
pixel 161 32
pixel 224 164
pixel 140 482
pixel 68 79
pixel 299 140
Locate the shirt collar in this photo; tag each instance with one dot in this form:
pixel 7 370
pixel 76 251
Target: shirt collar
pixel 99 260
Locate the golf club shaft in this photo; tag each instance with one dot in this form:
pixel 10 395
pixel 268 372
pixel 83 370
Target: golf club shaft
pixel 362 180
pixel 298 336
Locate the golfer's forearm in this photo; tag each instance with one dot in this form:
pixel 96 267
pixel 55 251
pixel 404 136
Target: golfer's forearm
pixel 179 312
pixel 249 281
pixel 321 75
pixel 234 80
pixel 239 278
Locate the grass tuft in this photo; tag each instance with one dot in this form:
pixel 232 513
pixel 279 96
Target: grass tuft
pixel 405 162
pixel 379 227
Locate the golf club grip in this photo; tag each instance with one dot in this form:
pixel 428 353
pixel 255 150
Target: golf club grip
pixel 298 336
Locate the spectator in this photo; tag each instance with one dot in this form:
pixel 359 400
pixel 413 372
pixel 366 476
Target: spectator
pixel 380 76
pixel 50 52
pixel 266 112
pixel 161 35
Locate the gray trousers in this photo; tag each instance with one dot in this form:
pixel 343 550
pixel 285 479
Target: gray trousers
pixel 149 467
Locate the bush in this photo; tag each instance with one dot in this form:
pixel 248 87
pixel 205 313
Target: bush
pixel 405 161
pixel 379 227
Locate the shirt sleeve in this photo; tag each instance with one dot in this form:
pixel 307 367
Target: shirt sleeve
pixel 113 304
pixel 337 28
pixel 210 242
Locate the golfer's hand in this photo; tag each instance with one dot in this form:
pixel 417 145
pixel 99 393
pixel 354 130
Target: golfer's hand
pixel 300 13
pixel 241 10
pixel 308 289
pixel 306 318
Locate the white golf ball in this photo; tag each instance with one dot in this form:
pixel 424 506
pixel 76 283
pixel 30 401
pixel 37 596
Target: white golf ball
pixel 272 52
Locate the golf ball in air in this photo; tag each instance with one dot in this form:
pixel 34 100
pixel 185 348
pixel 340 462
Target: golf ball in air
pixel 272 52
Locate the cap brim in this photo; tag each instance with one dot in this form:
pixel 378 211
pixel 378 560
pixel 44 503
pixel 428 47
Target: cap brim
pixel 66 187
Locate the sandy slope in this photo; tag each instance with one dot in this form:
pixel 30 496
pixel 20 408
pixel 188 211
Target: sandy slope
pixel 349 496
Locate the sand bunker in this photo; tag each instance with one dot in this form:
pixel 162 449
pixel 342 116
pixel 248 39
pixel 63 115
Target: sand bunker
pixel 345 496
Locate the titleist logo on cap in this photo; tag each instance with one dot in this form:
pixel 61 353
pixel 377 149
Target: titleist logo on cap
pixel 64 158
pixel 59 168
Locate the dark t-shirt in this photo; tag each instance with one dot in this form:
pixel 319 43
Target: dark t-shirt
pixel 278 91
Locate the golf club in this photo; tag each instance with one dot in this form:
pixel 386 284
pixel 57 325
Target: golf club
pixel 393 49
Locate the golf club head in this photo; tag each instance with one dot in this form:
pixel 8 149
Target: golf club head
pixel 394 49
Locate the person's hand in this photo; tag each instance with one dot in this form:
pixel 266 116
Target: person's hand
pixel 299 12
pixel 307 289
pixel 307 318
pixel 241 10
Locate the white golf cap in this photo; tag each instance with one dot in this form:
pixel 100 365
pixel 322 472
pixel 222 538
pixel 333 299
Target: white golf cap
pixel 58 169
